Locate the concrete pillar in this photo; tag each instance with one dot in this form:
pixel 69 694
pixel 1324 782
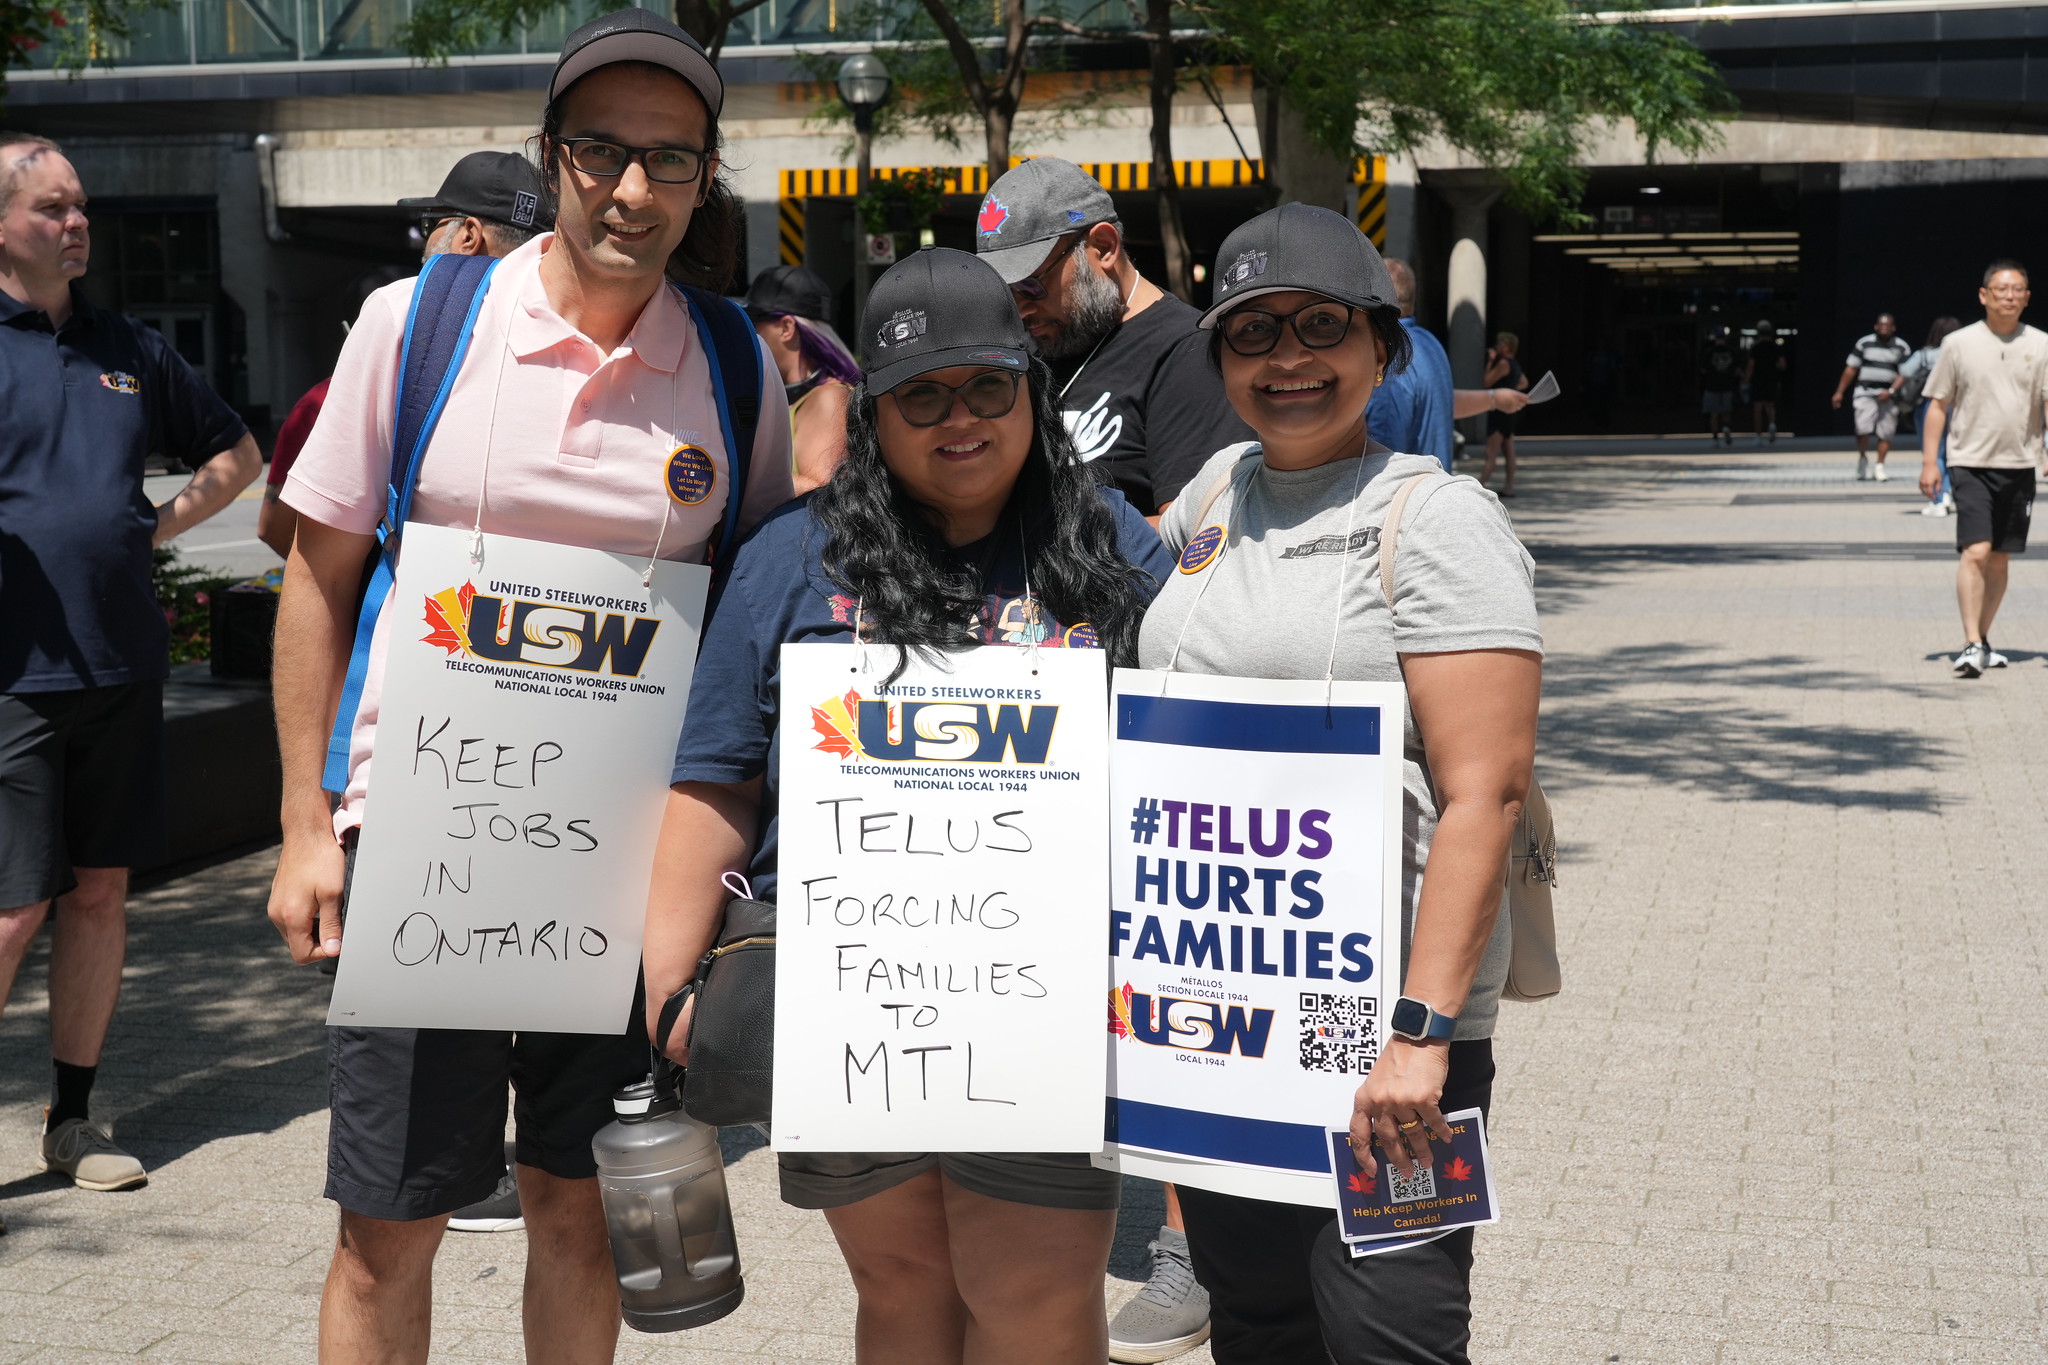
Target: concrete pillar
pixel 1465 290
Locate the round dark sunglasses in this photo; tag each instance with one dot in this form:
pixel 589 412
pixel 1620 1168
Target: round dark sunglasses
pixel 1318 326
pixel 663 165
pixel 927 402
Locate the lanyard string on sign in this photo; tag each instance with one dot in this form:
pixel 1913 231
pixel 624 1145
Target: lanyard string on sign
pixel 1242 496
pixel 675 408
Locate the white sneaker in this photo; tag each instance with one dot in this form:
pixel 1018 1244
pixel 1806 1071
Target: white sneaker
pixel 1862 467
pixel 1879 473
pixel 1948 505
pixel 1933 509
pixel 1992 658
pixel 1969 663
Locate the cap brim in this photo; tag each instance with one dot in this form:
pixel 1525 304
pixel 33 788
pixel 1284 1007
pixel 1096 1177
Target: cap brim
pixel 430 204
pixel 1209 318
pixel 639 45
pixel 888 376
pixel 1015 263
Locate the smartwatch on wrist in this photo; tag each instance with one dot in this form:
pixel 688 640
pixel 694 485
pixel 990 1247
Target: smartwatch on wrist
pixel 1417 1022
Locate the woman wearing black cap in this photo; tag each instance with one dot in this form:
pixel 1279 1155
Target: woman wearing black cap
pixel 1304 328
pixel 959 478
pixel 790 307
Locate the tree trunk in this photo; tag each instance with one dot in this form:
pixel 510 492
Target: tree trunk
pixel 1173 236
pixel 701 20
pixel 996 127
pixel 1297 168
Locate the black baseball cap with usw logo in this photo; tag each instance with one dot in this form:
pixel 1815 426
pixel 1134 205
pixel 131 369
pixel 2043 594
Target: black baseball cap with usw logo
pixel 936 309
pixel 499 187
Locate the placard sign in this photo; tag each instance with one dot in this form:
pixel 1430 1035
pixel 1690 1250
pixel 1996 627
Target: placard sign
pixel 525 735
pixel 1255 933
pixel 942 902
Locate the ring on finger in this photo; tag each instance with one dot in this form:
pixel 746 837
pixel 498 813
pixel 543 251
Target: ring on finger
pixel 1412 1123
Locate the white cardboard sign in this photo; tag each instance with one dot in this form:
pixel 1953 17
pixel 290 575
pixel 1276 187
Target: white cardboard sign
pixel 526 733
pixel 1255 934
pixel 942 903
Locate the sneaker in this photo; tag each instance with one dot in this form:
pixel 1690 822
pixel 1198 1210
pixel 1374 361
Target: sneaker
pixel 497 1213
pixel 1862 467
pixel 1170 1316
pixel 1933 509
pixel 1992 658
pixel 1879 473
pixel 1948 504
pixel 86 1152
pixel 1970 663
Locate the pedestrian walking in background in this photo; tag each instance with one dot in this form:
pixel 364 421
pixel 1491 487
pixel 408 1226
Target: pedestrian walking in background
pixel 1720 379
pixel 1462 634
pixel 1503 370
pixel 583 369
pixel 1913 377
pixel 1873 367
pixel 981 1256
pixel 1413 410
pixel 1126 360
pixel 1764 375
pixel 1985 399
pixel 791 308
pixel 85 396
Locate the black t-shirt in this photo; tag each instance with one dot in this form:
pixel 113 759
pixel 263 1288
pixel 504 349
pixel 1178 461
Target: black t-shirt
pixel 1720 368
pixel 778 594
pixel 80 408
pixel 1147 409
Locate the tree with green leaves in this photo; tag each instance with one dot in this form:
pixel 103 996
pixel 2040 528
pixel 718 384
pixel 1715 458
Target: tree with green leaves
pixel 75 32
pixel 439 29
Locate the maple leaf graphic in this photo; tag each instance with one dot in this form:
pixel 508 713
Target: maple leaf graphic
pixel 835 720
pixel 1457 1168
pixel 1361 1183
pixel 1120 1011
pixel 447 616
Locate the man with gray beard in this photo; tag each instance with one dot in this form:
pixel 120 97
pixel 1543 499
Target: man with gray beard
pixel 1140 396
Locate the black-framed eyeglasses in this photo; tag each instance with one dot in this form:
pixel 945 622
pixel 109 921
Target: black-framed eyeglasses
pixel 927 402
pixel 1032 287
pixel 663 165
pixel 1318 326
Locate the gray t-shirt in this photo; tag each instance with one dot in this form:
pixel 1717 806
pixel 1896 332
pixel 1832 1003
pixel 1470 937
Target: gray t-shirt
pixel 1462 581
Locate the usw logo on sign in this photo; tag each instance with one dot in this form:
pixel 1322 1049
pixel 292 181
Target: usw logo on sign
pixel 519 630
pixel 1192 1025
pixel 934 731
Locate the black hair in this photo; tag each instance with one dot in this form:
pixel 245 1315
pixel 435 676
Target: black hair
pixel 1386 325
pixel 711 252
pixel 885 549
pixel 1941 329
pixel 2006 263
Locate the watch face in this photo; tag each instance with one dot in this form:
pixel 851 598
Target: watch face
pixel 1410 1017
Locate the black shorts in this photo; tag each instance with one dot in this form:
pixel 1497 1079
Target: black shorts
pixel 1501 423
pixel 81 785
pixel 416 1122
pixel 1994 505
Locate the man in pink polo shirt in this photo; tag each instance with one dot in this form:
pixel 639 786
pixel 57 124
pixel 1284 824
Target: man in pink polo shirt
pixel 584 375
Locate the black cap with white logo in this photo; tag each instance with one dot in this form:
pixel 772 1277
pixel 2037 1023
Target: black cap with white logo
pixel 1030 208
pixel 1299 246
pixel 637 35
pixel 502 187
pixel 936 309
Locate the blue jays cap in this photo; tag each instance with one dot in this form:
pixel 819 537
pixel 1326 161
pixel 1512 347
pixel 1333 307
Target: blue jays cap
pixel 1030 208
pixel 1299 246
pixel 935 309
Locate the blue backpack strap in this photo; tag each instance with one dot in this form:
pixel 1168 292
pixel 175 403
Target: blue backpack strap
pixel 733 351
pixel 445 302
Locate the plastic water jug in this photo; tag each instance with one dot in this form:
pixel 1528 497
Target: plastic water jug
pixel 663 1183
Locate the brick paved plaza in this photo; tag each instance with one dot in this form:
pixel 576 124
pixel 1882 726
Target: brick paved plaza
pixel 1786 1110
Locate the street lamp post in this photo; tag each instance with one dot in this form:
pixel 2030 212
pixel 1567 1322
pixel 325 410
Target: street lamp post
pixel 864 86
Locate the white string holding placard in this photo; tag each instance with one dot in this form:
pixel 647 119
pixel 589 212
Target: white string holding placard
pixel 483 479
pixel 675 439
pixel 1034 620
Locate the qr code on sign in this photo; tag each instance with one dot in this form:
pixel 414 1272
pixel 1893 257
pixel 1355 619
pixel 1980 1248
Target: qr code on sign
pixel 1339 1033
pixel 1405 1189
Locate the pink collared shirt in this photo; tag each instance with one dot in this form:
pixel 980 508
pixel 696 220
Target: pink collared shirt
pixel 544 434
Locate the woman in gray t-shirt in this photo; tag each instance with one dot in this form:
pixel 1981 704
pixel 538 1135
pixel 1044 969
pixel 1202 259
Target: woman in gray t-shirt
pixel 1305 328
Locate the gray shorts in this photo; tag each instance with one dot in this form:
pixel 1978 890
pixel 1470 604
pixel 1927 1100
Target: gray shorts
pixel 1876 415
pixel 1046 1180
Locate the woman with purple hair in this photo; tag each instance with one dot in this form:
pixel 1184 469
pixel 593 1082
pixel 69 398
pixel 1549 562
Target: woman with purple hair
pixel 789 306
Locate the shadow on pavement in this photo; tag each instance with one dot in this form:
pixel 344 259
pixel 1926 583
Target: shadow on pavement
pixel 1714 728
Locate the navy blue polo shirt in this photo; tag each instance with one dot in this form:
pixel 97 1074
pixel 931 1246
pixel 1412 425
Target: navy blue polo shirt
pixel 83 405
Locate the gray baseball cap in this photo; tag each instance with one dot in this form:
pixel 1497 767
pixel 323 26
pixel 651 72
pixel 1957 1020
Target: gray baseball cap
pixel 1299 246
pixel 1030 208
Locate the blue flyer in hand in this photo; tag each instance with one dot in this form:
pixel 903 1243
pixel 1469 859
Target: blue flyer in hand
pixel 1456 1191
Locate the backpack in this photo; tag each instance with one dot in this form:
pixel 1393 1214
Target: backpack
pixel 438 327
pixel 1533 971
pixel 1914 374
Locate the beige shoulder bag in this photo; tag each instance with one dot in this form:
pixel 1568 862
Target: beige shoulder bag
pixel 1533 972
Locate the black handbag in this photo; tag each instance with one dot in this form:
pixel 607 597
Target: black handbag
pixel 732 1032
